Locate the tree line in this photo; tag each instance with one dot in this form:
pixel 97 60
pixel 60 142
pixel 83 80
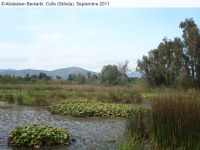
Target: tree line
pixel 109 75
pixel 174 62
pixel 18 79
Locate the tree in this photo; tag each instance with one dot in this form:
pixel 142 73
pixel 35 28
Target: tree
pixel 174 61
pixel 110 75
pixel 88 75
pixel 94 77
pixel 123 69
pixel 58 77
pixel 72 77
pixel 43 76
pixel 191 38
pixel 81 79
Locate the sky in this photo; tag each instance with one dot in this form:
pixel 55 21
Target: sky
pixel 50 38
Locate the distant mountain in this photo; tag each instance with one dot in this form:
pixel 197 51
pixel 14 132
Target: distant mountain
pixel 63 73
pixel 134 74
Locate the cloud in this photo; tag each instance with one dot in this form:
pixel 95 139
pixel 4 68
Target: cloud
pixel 8 46
pixel 51 51
pixel 48 37
pixel 67 39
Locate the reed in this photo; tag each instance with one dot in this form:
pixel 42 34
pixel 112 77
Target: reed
pixel 176 121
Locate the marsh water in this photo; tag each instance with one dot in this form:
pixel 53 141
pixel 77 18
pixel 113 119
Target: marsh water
pixel 86 133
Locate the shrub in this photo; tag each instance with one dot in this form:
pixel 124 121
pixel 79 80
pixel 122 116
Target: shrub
pixel 37 135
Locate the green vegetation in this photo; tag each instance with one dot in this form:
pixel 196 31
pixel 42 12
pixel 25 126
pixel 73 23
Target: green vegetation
pixel 132 143
pixel 110 75
pixel 46 94
pixel 81 79
pixel 37 135
pixel 175 112
pixel 176 121
pixel 174 62
pixel 173 124
pixel 114 75
pixel 27 79
pixel 84 108
pixel 139 131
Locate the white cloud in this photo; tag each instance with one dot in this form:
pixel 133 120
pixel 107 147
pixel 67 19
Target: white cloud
pixel 50 51
pixel 8 46
pixel 48 37
pixel 64 43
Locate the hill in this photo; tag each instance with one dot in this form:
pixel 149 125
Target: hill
pixel 134 74
pixel 64 72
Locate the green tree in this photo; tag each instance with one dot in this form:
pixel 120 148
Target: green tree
pixel 110 75
pixel 43 76
pixel 58 77
pixel 163 64
pixel 81 79
pixel 174 61
pixel 88 75
pixel 72 77
pixel 191 38
pixel 123 69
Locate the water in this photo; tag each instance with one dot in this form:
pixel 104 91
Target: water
pixel 86 133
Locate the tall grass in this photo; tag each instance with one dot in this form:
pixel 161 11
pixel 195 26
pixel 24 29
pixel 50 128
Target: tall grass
pixel 132 143
pixel 138 131
pixel 139 124
pixel 176 121
pixel 33 94
pixel 173 123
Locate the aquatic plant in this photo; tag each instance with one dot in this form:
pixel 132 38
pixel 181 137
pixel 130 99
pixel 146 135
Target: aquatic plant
pixel 33 135
pixel 86 108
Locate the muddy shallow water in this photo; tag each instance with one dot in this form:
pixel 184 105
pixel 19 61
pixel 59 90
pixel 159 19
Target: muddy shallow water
pixel 89 133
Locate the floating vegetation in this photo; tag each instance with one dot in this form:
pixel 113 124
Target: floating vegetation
pixel 33 135
pixel 86 108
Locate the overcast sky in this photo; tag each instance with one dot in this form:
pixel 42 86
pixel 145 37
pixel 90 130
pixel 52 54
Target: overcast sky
pixel 88 38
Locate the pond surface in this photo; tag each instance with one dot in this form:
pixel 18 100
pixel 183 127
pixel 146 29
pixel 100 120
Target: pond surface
pixel 89 133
